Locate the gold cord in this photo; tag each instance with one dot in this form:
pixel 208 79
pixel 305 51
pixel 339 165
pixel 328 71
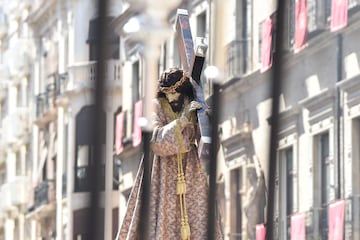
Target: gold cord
pixel 181 191
pixel 181 183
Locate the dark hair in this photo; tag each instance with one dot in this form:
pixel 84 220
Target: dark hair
pixel 170 77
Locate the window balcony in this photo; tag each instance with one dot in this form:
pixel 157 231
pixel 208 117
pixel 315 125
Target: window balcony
pixel 44 203
pixel 83 76
pixel 44 193
pixel 46 106
pixel 237 58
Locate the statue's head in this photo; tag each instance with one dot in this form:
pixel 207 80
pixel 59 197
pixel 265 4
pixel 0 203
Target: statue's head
pixel 174 85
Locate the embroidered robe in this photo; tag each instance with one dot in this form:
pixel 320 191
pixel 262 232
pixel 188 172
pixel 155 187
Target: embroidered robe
pixel 171 136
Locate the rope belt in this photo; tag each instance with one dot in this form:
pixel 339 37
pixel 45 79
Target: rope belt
pixel 181 191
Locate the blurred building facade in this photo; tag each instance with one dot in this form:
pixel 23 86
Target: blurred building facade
pixel 48 68
pixel 48 51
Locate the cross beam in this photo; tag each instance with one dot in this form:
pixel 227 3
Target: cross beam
pixel 193 62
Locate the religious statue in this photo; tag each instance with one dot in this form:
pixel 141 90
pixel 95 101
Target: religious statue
pixel 255 202
pixel 179 188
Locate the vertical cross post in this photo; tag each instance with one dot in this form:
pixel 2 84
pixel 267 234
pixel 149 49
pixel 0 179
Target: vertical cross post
pixel 193 62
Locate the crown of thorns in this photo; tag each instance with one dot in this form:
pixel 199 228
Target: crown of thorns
pixel 172 79
pixel 172 88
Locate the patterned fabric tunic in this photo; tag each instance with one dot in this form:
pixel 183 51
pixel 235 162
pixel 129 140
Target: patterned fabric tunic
pixel 171 135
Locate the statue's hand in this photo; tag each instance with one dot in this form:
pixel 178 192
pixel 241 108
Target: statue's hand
pixel 190 108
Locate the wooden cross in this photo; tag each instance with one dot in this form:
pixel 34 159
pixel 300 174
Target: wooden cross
pixel 193 62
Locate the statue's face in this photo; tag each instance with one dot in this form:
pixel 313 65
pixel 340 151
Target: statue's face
pixel 176 100
pixel 172 96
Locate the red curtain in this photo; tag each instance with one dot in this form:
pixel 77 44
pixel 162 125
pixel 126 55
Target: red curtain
pixel 300 25
pixel 119 130
pixel 339 14
pixel 336 220
pixel 137 128
pixel 266 43
pixel 297 226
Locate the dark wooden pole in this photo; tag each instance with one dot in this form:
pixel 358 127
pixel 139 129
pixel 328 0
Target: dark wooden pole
pixel 96 220
pixel 213 161
pixel 146 183
pixel 274 120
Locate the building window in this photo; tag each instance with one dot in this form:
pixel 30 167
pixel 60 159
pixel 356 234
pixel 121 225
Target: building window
pixel 318 18
pixel 287 183
pixel 322 188
pixel 235 204
pixel 239 51
pixel 319 13
pixel 291 23
pixel 65 159
pixel 355 153
pixel 245 34
pixel 325 168
pixel 136 85
pixel 84 155
pixel 112 40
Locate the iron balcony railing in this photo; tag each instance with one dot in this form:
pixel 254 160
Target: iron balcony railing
pixel 43 193
pixel 352 217
pixel 237 58
pixel 46 100
pixel 84 75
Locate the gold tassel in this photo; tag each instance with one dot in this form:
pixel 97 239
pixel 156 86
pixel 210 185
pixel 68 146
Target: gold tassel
pixel 187 227
pixel 185 231
pixel 181 191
